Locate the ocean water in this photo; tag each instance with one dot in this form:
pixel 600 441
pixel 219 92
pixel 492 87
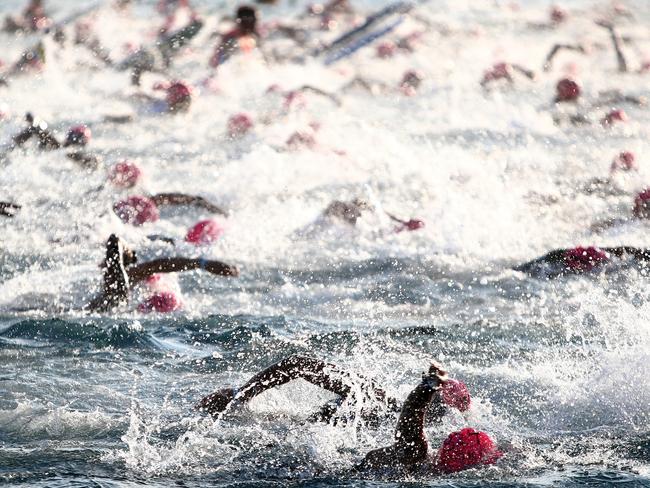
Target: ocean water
pixel 558 369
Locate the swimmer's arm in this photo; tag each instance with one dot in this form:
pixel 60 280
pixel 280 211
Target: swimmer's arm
pixel 616 42
pixel 556 48
pixel 143 271
pixel 411 444
pixel 530 74
pixel 182 199
pixel 336 100
pixel 46 140
pixel 638 253
pixel 23 136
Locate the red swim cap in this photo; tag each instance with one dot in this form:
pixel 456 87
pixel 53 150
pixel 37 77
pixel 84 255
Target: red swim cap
pixel 162 301
pixel 498 71
pixel 125 174
pixel 204 232
pixel 136 210
pixel 179 96
pixel 642 204
pixel 567 90
pixel 455 394
pixel 625 161
pixel 79 135
pixel 465 449
pixel 584 258
pixel 239 125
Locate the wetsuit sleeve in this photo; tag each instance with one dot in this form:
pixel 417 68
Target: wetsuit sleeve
pixel 411 444
pixel 553 257
pixel 174 265
pixel 315 371
pixel 183 199
pixel 23 136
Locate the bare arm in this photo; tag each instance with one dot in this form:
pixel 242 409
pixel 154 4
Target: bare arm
pixel 183 199
pixel 143 271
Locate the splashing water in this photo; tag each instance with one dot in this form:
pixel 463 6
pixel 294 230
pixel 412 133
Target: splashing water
pixel 557 370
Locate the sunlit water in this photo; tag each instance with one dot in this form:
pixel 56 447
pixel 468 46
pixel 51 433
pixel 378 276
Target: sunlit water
pixel 558 370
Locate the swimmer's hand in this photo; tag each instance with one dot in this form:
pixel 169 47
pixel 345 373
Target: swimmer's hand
pixel 216 402
pixel 436 376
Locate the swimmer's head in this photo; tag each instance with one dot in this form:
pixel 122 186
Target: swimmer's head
pixel 412 78
pixel 582 259
pixel 301 139
pixel 178 96
pixel 239 125
pixel 624 161
pixel 613 117
pixel 137 210
pixel 161 302
pixel 567 90
pixel 125 174
pixel 466 449
pixel 455 394
pixel 247 19
pixel 79 135
pixel 204 232
pixel 558 14
pixel 386 49
pixel 642 205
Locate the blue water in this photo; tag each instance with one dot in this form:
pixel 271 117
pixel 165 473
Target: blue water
pixel 558 370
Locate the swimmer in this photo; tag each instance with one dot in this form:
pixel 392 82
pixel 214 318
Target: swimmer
pixel 640 211
pixel 121 272
pixel 138 210
pixel 376 404
pixel 32 19
pixel 177 98
pixel 244 36
pixel 581 260
pixel 8 209
pixel 159 59
pixel 78 136
pixel 350 211
pixel 410 453
pixel 505 72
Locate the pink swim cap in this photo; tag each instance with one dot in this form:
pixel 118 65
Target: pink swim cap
pixel 204 232
pixel 567 90
pixel 625 161
pixel 125 174
pixel 616 115
pixel 642 204
pixel 455 394
pixel 179 96
pixel 136 210
pixel 498 71
pixel 162 301
pixel 239 125
pixel 386 49
pixel 79 135
pixel 558 14
pixel 584 258
pixel 465 449
pixel 412 224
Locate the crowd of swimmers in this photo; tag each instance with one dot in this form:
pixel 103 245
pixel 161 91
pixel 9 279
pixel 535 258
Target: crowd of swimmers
pixel 435 393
